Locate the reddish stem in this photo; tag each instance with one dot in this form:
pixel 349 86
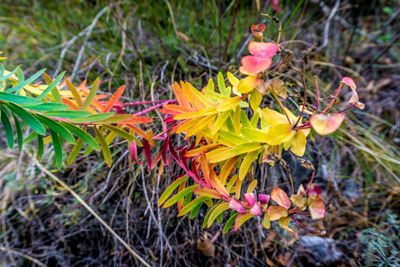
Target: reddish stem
pixel 144 102
pixel 349 107
pixel 333 99
pixel 312 179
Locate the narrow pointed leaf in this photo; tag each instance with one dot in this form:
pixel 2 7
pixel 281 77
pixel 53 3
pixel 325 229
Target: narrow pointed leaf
pixel 28 118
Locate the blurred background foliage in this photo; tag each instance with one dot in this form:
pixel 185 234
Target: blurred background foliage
pixel 150 44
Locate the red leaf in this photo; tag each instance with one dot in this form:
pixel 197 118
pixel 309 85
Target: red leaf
pixel 147 152
pixel 133 150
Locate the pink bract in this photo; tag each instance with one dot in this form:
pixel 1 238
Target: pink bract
pixel 274 4
pixel 261 58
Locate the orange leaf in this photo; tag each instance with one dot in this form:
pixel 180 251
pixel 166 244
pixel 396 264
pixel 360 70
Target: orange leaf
pixel 317 208
pixel 276 212
pixel 114 98
pixel 280 197
pixel 203 191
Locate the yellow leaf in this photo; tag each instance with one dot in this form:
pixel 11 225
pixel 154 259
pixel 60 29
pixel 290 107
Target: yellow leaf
pixel 247 84
pixel 246 163
pixel 252 186
pixel 201 124
pixel 196 114
pixel 233 80
pixel 273 117
pixel 266 221
pixel 279 134
pixel 284 222
pixel 221 119
pixel 227 169
pixel 298 146
pixel 255 99
pixel 241 219
pixel 229 104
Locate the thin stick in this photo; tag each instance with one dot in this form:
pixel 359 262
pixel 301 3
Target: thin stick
pixel 317 93
pixel 126 245
pixel 23 255
pixel 282 107
pixel 303 80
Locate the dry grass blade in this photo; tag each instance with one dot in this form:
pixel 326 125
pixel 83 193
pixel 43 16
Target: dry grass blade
pixel 126 245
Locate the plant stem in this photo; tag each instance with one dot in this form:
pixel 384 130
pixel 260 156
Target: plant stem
pixel 334 98
pixel 281 106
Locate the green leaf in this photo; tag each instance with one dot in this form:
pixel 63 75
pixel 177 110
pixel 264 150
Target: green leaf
pixel 221 85
pixel 57 127
pixel 230 222
pixel 94 117
pixel 208 215
pixel 47 106
pixel 2 78
pixel 51 86
pixel 254 134
pixel 57 148
pixel 179 196
pixel 69 114
pixel 55 93
pixel 104 147
pixel 120 132
pixel 87 138
pixel 7 127
pixel 244 119
pixel 28 118
pixel 20 85
pixel 19 132
pixel 32 136
pixel 19 99
pixel 75 151
pixel 171 189
pixel 216 212
pixel 91 94
pixel 40 146
pixel 191 205
pixel 196 210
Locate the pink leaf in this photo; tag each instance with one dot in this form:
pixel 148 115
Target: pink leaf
pixel 250 199
pixel 349 82
pixel 256 210
pixel 274 4
pixel 252 65
pixel 264 50
pixel 314 189
pixel 236 205
pixel 263 198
